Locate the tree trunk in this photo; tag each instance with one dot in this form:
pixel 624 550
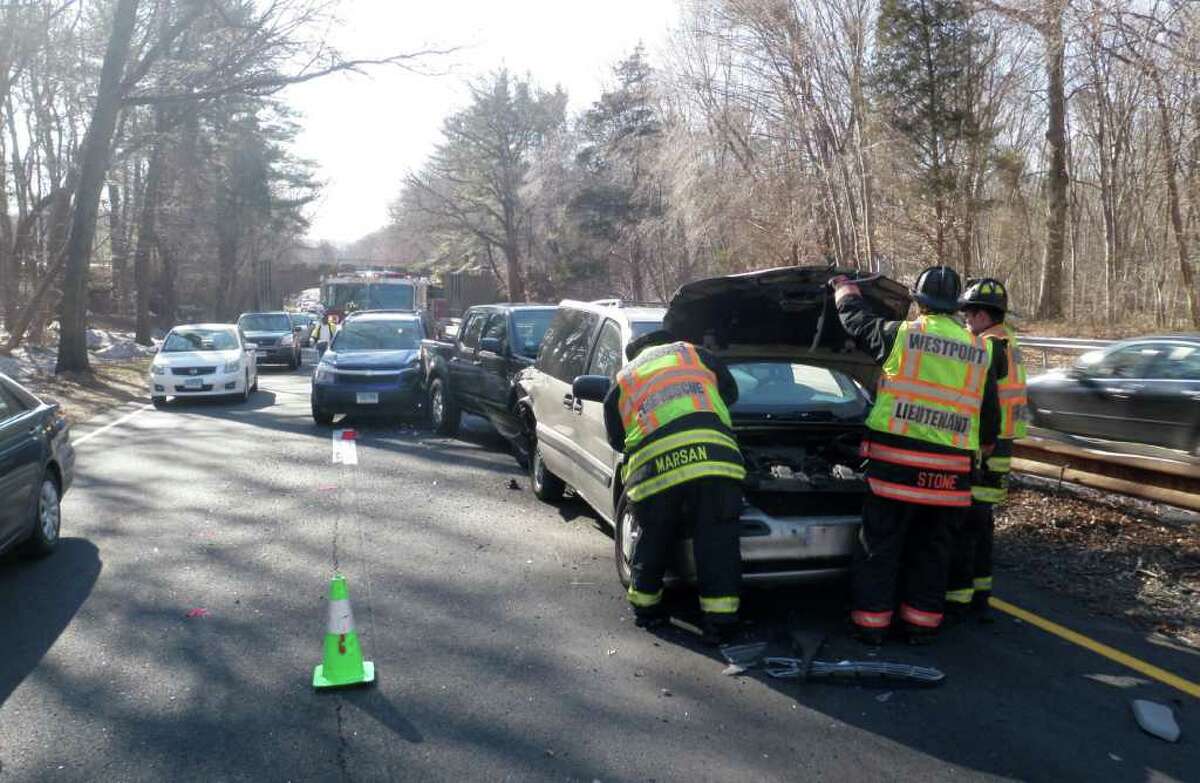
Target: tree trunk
pixel 8 258
pixel 1050 292
pixel 148 233
pixel 1171 153
pixel 97 149
pixel 116 241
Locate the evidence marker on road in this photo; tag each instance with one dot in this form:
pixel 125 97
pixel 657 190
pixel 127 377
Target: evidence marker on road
pixel 342 663
pixel 345 452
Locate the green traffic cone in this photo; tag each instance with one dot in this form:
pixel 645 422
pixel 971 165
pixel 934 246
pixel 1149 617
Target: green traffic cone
pixel 343 662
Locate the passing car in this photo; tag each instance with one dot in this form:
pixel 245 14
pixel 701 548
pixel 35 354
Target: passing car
pixel 37 464
pixel 474 372
pixel 1145 390
pixel 274 337
pixel 304 322
pixel 203 360
pixel 803 400
pixel 372 366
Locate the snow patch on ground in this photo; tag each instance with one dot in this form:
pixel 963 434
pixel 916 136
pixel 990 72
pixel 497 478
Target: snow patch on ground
pixel 29 361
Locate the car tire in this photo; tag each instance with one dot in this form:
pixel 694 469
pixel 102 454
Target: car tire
pixel 159 402
pixel 320 415
pixel 547 487
pixel 254 386
pixel 624 536
pixel 444 415
pixel 47 518
pixel 245 396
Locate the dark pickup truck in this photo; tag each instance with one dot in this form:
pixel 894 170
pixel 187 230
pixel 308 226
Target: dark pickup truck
pixel 475 372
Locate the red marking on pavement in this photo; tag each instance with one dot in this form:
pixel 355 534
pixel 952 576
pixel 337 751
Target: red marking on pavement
pixel 327 488
pixel 342 644
pixel 349 434
pixel 197 612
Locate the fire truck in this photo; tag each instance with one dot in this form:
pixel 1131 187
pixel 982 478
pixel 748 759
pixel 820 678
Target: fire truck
pixel 356 291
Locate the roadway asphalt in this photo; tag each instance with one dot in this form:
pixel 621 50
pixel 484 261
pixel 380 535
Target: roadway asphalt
pixel 503 645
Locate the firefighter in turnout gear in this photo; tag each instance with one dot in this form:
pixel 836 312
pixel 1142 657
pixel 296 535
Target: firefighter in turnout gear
pixel 984 306
pixel 669 413
pixel 935 407
pixel 324 330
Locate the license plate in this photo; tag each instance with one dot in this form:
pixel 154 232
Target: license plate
pixel 193 383
pixel 367 398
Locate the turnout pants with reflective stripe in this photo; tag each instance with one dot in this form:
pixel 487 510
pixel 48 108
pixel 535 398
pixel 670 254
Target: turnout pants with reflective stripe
pixel 707 509
pixel 971 557
pixel 902 547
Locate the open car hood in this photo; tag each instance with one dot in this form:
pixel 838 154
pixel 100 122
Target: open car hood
pixel 786 312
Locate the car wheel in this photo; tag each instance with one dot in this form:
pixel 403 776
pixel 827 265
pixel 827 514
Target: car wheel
pixel 624 538
pixel 444 415
pixel 320 415
pixel 246 388
pixel 159 402
pixel 254 386
pixel 47 519
pixel 546 486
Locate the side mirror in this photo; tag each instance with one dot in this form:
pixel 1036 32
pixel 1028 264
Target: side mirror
pixel 297 329
pixel 591 387
pixel 322 347
pixel 491 344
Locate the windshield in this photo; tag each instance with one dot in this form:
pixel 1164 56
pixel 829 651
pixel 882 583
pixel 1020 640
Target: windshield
pixel 378 336
pixel 391 296
pixel 302 319
pixel 265 322
pixel 643 327
pixel 530 326
pixel 199 340
pixel 783 388
pixel 338 295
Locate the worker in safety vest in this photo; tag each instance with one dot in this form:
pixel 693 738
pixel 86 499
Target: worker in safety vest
pixel 984 306
pixel 669 413
pixel 935 407
pixel 324 330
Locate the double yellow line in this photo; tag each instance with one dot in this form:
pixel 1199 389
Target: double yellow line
pixel 1151 671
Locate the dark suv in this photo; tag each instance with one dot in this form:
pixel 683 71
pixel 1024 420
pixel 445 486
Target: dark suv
pixel 275 339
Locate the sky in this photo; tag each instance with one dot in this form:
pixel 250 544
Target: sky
pixel 366 132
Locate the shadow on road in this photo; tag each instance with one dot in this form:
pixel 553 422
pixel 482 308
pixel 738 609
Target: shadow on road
pixel 38 599
pixel 377 706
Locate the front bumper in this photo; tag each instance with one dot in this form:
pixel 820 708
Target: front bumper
pixel 213 385
pixel 787 550
pixel 403 397
pixel 275 355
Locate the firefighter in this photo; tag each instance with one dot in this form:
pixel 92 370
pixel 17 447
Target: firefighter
pixel 935 406
pixel 669 413
pixel 324 330
pixel 984 306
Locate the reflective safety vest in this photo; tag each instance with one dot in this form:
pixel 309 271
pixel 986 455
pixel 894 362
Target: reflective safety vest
pixel 991 481
pixel 669 385
pixel 925 421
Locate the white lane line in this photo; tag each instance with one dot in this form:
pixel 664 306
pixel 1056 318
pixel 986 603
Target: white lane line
pixel 110 425
pixel 345 452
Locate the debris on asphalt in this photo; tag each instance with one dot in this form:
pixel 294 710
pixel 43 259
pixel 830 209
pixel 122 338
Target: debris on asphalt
pixel 666 692
pixel 745 656
pixel 512 484
pixel 733 670
pixel 1139 563
pixel 197 612
pixel 1156 719
pixel 612 652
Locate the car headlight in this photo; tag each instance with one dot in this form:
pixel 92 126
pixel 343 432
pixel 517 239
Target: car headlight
pixel 323 374
pixel 286 340
pixel 158 369
pixel 233 366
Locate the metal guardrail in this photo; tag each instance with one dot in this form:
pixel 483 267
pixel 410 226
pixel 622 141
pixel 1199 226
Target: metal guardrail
pixel 1063 343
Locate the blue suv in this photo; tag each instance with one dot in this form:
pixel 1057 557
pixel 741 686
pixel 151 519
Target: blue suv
pixel 372 366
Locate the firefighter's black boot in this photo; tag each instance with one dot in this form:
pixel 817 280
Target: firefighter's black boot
pixel 649 617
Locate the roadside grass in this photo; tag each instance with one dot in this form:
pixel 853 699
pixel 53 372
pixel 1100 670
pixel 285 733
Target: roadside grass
pixel 85 395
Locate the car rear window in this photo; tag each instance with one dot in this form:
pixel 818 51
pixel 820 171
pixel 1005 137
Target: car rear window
pixel 565 348
pixel 530 327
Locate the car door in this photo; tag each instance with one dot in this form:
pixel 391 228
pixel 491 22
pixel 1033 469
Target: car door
pixel 21 457
pixel 464 365
pixel 1098 400
pixel 1164 410
pixel 558 422
pixel 598 458
pixel 492 389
